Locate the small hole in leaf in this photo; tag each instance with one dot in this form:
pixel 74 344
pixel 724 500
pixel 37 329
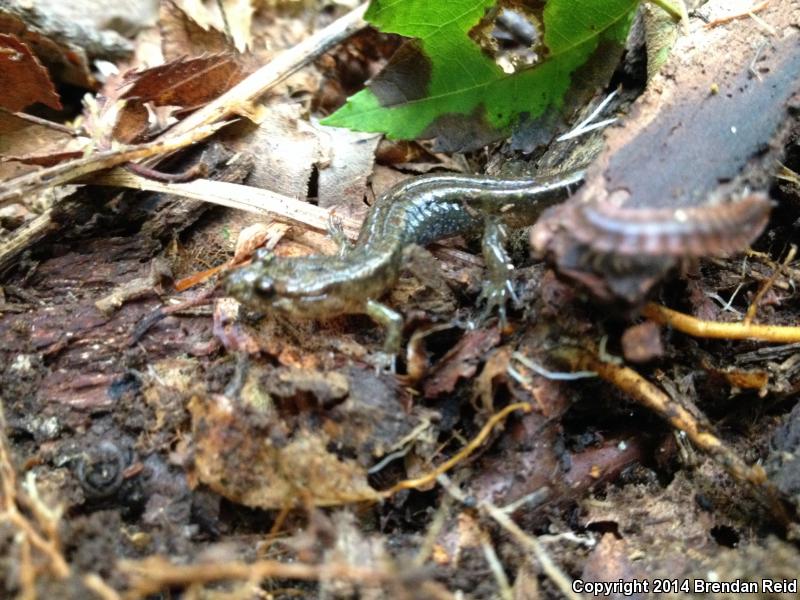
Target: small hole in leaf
pixel 510 37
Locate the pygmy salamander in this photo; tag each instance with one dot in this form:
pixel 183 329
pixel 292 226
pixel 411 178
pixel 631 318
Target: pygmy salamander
pixel 417 211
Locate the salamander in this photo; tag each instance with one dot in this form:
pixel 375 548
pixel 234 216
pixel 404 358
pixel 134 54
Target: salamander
pixel 418 211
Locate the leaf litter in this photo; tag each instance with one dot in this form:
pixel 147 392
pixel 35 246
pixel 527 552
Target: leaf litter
pixel 193 445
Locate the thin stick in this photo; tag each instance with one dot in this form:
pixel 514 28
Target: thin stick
pixel 103 591
pixel 767 285
pixel 716 330
pixel 234 195
pixel 740 15
pixel 495 566
pixel 15 189
pixel 464 453
pixel 10 500
pixel 650 396
pixel 155 573
pixel 237 98
pixel 71 131
pixel 550 569
pixel 233 101
pixel 22 237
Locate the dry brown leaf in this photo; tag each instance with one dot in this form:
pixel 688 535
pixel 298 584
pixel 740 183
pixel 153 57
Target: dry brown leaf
pixel 287 148
pixel 461 362
pixel 26 143
pixel 65 61
pixel 247 461
pixel 256 236
pixel 23 79
pixel 239 16
pixel 45 160
pixel 185 82
pixel 132 122
pixel 496 368
pixel 343 183
pixel 181 35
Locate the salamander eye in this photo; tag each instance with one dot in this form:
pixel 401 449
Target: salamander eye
pixel 265 287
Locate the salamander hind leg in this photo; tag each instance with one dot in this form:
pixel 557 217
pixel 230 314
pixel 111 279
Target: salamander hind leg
pixel 498 287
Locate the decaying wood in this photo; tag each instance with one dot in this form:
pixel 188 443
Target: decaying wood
pixel 707 133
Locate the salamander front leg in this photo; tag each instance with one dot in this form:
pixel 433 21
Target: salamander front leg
pixel 336 233
pixel 498 287
pixel 392 322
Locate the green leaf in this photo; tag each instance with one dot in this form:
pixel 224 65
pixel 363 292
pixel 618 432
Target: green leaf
pixel 443 78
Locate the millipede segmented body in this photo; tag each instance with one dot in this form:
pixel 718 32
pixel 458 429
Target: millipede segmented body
pixel 708 230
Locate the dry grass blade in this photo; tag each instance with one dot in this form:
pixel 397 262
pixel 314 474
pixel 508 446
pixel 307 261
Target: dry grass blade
pixel 15 189
pixel 234 195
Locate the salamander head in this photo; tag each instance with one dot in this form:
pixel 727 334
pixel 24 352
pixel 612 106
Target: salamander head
pixel 307 287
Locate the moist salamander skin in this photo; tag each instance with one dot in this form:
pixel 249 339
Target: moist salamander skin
pixel 417 211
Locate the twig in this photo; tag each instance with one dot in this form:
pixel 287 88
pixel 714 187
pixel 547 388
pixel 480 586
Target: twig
pixel 289 61
pixel 767 285
pixel 156 573
pixel 464 453
pixel 435 527
pixel 716 330
pixel 550 569
pixel 27 573
pixel 495 566
pixel 22 237
pixel 233 101
pixel 650 396
pixel 786 174
pixel 740 15
pixel 15 189
pixel 234 195
pixel 528 542
pixel 103 591
pixel 29 537
pixel 71 131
